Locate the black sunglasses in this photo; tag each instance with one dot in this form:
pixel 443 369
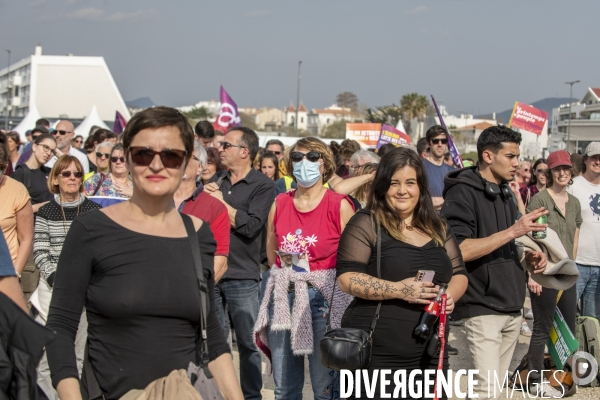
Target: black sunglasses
pixel 115 159
pixel 311 156
pixel 277 153
pixel 227 145
pixel 67 174
pixel 170 158
pixel 438 141
pixel 62 133
pixel 100 155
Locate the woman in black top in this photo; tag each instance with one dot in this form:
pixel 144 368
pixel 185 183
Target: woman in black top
pixel 131 265
pixel 413 238
pixel 33 174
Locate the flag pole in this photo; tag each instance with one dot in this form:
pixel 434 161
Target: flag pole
pixel 451 146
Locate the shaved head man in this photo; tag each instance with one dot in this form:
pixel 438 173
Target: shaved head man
pixel 63 133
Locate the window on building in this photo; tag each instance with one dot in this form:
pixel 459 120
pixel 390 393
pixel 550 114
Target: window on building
pixel 302 120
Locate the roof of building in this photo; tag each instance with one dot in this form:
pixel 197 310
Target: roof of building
pixel 596 91
pixel 291 108
pixel 330 111
pixel 478 126
pixel 302 108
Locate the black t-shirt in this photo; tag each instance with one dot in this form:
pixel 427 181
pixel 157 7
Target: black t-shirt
pixel 142 302
pixel 36 182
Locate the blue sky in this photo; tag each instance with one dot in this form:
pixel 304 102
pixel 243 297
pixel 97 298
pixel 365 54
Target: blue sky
pixel 473 56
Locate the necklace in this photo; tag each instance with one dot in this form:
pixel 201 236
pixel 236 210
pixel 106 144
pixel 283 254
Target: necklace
pixel 63 213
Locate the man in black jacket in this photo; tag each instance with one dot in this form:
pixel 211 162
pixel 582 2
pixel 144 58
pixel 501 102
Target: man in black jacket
pixel 479 207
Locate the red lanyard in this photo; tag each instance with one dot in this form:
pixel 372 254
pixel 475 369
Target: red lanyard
pixel 442 336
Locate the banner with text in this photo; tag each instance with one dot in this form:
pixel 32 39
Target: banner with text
pixel 367 134
pixel 389 134
pixel 528 118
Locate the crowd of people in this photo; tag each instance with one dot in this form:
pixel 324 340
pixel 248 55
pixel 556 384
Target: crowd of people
pixel 293 241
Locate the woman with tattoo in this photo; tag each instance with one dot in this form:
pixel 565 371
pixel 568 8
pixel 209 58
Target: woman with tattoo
pixel 413 238
pixel 303 233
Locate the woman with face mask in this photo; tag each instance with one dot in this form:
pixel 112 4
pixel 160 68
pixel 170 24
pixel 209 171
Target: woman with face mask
pixel 303 231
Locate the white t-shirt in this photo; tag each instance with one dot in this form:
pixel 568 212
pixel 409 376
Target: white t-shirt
pixel 73 152
pixel 588 250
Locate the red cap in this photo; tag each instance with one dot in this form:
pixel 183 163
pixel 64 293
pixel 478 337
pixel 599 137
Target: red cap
pixel 558 158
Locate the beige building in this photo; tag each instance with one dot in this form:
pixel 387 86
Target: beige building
pixel 585 120
pixel 318 118
pixel 268 119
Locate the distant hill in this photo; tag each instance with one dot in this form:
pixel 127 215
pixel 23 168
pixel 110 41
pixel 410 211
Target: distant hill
pixel 546 104
pixel 142 102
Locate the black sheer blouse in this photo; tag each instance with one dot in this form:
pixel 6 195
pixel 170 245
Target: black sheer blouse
pixel 399 260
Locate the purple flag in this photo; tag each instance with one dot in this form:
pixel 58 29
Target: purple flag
pixel 451 146
pixel 228 113
pixel 119 125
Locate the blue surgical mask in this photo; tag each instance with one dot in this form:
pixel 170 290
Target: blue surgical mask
pixel 307 173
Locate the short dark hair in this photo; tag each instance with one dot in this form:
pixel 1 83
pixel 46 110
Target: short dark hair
pixel 102 135
pixel 493 137
pixel 43 137
pixel 422 145
pixel 277 142
pixel 434 131
pixel 158 117
pixel 384 149
pixel 204 130
pixel 249 140
pixel 43 122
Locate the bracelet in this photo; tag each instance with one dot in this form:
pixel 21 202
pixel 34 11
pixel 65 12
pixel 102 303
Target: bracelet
pixel 19 276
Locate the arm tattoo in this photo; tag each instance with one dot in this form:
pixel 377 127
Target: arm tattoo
pixel 371 288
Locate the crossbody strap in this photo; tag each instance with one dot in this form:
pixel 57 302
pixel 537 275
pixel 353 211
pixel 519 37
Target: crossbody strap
pixel 376 316
pixel 202 285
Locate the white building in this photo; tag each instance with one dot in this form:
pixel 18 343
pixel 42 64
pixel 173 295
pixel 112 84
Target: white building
pixel 290 116
pixel 212 106
pixel 585 120
pixel 60 87
pixel 318 119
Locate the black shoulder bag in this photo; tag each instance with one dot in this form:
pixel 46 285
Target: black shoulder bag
pixel 200 376
pixel 350 348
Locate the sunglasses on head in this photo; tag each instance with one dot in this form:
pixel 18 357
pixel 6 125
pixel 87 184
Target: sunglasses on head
pixel 67 174
pixel 312 156
pixel 277 153
pixel 62 133
pixel 227 145
pixel 170 158
pixel 438 141
pixel 102 155
pixel 115 159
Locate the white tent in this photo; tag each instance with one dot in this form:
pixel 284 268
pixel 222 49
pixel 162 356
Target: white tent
pixel 28 122
pixel 92 119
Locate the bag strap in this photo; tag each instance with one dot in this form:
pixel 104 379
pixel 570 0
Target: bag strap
pixel 100 182
pixel 202 349
pixel 376 316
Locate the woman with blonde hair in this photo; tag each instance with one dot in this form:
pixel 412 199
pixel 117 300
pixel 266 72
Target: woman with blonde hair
pixel 52 223
pixel 303 231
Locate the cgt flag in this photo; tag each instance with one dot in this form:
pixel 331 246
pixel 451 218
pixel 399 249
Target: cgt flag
pixel 228 113
pixel 119 125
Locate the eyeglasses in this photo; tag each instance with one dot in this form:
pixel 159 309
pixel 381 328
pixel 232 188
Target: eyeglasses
pixel 62 133
pixel 438 141
pixel 170 158
pixel 102 155
pixel 227 145
pixel 78 141
pixel 67 174
pixel 115 159
pixel 312 156
pixel 47 149
pixel 277 153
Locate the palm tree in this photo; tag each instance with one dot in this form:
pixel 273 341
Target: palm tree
pixel 413 105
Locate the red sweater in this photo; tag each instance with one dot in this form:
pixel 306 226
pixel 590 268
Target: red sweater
pixel 208 209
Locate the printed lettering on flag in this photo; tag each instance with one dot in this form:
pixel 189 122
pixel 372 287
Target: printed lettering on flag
pixel 228 113
pixel 528 118
pixel 367 134
pixel 389 134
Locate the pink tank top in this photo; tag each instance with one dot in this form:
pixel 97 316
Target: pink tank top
pixel 312 237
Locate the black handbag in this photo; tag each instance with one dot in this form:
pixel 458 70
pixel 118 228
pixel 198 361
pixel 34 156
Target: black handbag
pixel 350 348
